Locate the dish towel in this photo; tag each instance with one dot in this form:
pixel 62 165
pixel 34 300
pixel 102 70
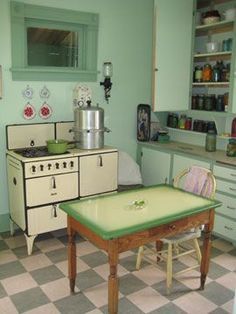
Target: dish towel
pixel 196 181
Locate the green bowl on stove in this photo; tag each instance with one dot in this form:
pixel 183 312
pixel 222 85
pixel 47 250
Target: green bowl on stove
pixel 57 146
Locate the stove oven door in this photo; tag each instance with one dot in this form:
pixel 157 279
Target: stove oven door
pixel 45 219
pixel 51 189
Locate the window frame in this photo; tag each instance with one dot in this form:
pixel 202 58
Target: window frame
pixel 25 15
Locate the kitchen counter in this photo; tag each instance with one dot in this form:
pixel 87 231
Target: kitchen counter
pixel 84 152
pixel 218 156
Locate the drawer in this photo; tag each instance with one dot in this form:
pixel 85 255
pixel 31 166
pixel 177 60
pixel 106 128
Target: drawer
pixel 225 227
pixel 45 219
pixel 224 186
pixel 228 207
pixel 224 172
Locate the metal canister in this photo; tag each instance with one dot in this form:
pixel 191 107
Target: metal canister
pixel 89 127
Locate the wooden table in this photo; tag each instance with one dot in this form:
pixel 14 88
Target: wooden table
pixel 123 221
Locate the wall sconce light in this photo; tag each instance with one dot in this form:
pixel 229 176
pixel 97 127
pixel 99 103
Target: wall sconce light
pixel 107 73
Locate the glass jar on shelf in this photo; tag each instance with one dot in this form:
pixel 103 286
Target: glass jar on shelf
pixel 210 144
pixel 188 123
pixel 198 74
pixel 182 121
pixel 208 103
pixel 220 103
pixel 207 73
pixel 200 102
pixel 194 102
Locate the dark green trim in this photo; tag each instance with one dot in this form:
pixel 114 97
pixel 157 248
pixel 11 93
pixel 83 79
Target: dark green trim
pixel 116 233
pixel 86 24
pixel 4 223
pixel 52 74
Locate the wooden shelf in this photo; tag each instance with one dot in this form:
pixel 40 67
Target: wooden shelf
pixel 219 27
pixel 223 55
pixel 200 133
pixel 207 3
pixel 211 84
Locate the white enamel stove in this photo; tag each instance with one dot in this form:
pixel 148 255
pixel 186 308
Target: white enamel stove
pixel 37 181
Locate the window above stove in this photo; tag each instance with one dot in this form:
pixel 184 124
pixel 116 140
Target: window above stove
pixel 50 44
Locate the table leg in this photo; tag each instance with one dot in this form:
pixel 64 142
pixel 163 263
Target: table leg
pixel 71 258
pixel 113 279
pixel 206 250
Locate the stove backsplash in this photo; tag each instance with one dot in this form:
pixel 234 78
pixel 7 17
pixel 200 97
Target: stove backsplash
pixel 63 130
pixel 36 134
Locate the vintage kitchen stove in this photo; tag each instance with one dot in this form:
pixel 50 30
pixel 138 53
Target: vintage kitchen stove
pixel 38 181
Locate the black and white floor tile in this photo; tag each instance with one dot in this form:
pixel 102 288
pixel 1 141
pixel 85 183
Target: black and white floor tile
pixel 38 283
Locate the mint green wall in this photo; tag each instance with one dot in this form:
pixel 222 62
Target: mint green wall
pixel 125 33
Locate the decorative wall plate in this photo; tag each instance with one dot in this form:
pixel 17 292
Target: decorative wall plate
pixel 28 92
pixel 29 111
pixel 44 93
pixel 45 111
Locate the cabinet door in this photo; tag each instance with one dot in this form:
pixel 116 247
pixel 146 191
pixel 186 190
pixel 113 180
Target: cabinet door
pixel 98 173
pixel 234 92
pixel 155 166
pixel 181 162
pixel 172 54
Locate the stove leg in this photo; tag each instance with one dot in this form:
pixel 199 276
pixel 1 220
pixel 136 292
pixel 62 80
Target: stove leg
pixel 12 230
pixel 30 242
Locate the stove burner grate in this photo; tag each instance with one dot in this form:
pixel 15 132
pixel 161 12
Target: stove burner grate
pixel 34 152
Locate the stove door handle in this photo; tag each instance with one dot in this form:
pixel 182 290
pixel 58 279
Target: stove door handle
pixel 54 183
pixel 54 210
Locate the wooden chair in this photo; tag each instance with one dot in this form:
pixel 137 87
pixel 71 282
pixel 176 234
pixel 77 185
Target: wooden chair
pixel 185 243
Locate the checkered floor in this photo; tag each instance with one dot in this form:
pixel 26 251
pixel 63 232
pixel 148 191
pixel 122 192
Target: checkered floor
pixel 38 283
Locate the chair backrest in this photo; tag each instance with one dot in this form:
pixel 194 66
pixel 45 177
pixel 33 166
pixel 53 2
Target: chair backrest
pixel 197 180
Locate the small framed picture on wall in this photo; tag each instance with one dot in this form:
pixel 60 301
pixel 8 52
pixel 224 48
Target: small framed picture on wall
pixel 143 122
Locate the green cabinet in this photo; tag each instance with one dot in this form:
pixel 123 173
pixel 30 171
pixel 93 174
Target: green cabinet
pixel 225 218
pixel 161 164
pixel 155 166
pixel 172 50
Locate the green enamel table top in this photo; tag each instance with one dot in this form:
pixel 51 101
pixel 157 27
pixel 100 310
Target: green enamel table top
pixel 119 214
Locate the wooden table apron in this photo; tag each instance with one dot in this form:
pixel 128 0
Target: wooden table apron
pixel 120 244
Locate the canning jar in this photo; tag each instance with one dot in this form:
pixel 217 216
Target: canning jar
pixel 208 102
pixel 188 123
pixel 233 128
pixel 194 101
pixel 220 103
pixel 210 144
pixel 200 102
pixel 198 74
pixel 207 73
pixel 182 121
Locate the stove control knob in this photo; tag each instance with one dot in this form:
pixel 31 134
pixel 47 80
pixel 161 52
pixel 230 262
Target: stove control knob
pixel 33 169
pixel 64 164
pixel 49 166
pixel 72 164
pixel 41 167
pixel 57 165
